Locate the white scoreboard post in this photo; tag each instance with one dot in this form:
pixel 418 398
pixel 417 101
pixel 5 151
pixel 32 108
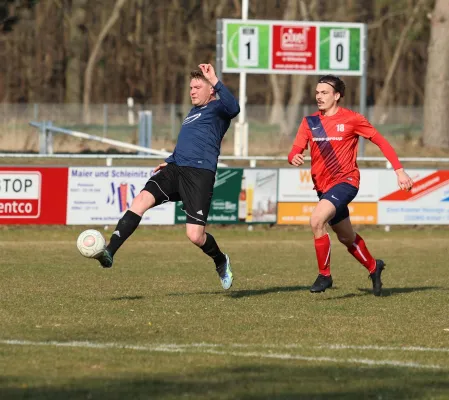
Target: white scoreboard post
pixel 290 47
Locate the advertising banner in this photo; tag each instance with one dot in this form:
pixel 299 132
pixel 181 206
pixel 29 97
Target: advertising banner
pixel 241 196
pixel 294 47
pixel 297 198
pixel 426 203
pixel 259 187
pixel 33 195
pixel 299 213
pixel 224 204
pixel 101 195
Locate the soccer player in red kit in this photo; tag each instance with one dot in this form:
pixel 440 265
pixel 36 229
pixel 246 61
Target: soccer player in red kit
pixel 332 134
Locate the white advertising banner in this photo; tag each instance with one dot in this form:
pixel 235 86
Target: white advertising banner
pixel 296 186
pixel 261 188
pixel 101 195
pixel 426 204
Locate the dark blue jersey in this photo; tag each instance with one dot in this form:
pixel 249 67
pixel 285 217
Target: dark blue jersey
pixel 202 131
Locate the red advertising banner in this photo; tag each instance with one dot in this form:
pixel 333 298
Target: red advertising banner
pixel 294 47
pixel 421 187
pixel 33 195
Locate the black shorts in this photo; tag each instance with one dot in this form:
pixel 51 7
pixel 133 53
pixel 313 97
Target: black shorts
pixel 340 196
pixel 192 186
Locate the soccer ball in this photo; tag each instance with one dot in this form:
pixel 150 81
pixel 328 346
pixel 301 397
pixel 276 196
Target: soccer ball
pixel 91 243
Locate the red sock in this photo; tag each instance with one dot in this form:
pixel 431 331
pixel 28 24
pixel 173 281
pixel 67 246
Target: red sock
pixel 323 254
pixel 362 255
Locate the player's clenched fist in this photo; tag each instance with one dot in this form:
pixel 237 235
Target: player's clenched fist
pixel 209 73
pixel 298 160
pixel 404 181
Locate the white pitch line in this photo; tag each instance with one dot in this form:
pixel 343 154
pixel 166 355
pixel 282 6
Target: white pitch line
pixel 324 347
pixel 384 348
pixel 209 349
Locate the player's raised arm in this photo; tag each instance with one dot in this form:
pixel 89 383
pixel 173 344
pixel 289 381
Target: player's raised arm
pixel 230 105
pixel 295 157
pixel 365 129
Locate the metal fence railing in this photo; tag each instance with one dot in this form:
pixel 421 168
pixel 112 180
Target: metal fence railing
pixel 120 122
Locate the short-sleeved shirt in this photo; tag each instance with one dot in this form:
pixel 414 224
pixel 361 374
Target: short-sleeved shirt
pixel 333 145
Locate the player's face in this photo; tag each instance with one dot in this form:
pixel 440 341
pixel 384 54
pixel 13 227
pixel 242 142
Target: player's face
pixel 326 97
pixel 200 92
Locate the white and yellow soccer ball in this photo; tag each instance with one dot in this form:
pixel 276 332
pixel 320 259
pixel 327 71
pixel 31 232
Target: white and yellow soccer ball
pixel 91 243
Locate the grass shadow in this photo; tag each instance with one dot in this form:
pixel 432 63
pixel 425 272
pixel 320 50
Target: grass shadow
pixel 386 292
pixel 247 292
pixel 127 298
pixel 394 291
pixel 248 381
pixel 259 292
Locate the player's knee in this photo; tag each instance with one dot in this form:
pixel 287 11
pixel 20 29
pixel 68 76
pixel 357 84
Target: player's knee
pixel 317 223
pixel 195 233
pixel 346 240
pixel 196 237
pixel 142 202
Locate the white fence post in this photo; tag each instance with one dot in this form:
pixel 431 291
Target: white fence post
pixel 49 138
pixel 43 138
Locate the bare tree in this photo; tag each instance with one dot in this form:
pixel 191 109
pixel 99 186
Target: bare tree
pixel 399 51
pixel 148 51
pixel 76 19
pixel 436 101
pixel 93 57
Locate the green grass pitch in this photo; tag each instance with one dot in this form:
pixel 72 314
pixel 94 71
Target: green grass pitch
pixel 158 325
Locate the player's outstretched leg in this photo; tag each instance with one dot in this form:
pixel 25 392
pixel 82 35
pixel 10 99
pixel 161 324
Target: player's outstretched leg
pixel 124 229
pixel 210 247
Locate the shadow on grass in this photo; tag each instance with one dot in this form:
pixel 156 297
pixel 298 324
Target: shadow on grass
pixel 386 292
pixel 248 381
pixel 127 298
pixel 248 292
pixel 258 292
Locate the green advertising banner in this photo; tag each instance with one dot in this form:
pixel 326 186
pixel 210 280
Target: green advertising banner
pixel 241 196
pixel 224 205
pixel 340 48
pixel 247 45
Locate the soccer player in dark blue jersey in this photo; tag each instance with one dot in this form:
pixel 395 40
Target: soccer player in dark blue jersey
pixel 188 175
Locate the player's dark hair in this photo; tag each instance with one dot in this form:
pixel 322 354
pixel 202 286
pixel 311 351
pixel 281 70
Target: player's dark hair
pixel 197 74
pixel 335 82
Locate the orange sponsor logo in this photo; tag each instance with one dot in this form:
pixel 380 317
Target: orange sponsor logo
pixel 305 176
pixel 299 213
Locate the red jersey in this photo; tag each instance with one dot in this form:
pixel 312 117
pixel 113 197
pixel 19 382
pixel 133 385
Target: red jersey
pixel 333 146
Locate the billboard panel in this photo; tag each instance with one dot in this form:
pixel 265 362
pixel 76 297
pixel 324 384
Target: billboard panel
pixel 33 195
pixel 426 203
pixel 292 47
pixel 101 195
